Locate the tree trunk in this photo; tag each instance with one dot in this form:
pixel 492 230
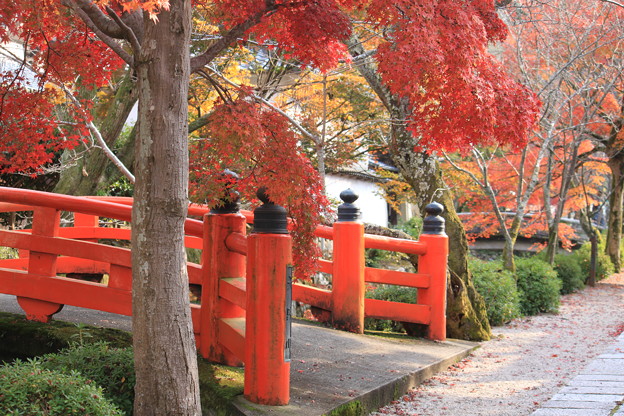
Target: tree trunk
pixel 164 345
pixel 508 254
pixel 594 236
pixel 465 309
pixel 614 233
pixel 85 177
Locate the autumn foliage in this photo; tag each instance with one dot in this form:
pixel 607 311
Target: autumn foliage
pixel 258 144
pixel 431 54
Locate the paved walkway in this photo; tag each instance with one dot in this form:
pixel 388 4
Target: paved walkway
pixel 597 391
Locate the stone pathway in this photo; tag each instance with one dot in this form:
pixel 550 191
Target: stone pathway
pixel 597 391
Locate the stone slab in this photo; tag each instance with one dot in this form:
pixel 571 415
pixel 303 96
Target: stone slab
pixel 601 389
pixel 606 398
pixel 571 412
pixel 330 369
pixel 572 404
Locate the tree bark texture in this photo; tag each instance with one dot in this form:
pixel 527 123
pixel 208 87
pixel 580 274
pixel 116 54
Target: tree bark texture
pixel 614 233
pixel 164 345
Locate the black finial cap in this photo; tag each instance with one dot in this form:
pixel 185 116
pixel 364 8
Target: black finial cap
pixel 348 211
pixel 229 202
pixel 268 217
pixel 433 222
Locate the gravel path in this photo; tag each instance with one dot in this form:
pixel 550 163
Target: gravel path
pixel 526 362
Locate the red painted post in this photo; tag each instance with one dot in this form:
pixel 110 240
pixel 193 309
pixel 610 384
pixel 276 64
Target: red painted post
pixel 434 263
pixel 87 221
pixel 218 263
pixel 45 223
pixel 267 334
pixel 348 285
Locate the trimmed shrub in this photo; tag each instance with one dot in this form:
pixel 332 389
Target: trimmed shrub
pixel 498 288
pixel 27 389
pixel 538 286
pixel 390 293
pixel 111 368
pixel 569 272
pixel 605 265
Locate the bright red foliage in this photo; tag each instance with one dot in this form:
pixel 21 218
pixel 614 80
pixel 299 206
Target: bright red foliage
pixel 258 144
pixel 435 56
pixel 61 51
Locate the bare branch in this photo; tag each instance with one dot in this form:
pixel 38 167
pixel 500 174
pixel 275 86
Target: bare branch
pixel 97 16
pixel 613 2
pixel 261 100
pixel 231 36
pixel 128 32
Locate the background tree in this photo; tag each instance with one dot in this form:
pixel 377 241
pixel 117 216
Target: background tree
pixel 570 54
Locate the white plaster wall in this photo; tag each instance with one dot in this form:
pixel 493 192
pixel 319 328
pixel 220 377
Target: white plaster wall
pixel 372 205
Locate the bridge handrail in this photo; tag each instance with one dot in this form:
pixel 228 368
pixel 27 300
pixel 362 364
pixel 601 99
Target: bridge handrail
pixel 111 207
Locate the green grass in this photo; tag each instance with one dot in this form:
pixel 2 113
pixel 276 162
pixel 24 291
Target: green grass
pixel 20 338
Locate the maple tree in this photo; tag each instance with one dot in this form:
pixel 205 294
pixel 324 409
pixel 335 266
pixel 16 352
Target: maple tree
pixel 429 86
pixel 570 54
pixel 452 93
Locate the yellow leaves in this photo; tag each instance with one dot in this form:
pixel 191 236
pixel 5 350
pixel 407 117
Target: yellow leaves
pixel 55 95
pixel 204 26
pixel 395 191
pixel 150 6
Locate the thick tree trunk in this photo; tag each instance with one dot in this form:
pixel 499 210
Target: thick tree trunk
pixel 85 177
pixel 164 345
pixel 465 310
pixel 614 233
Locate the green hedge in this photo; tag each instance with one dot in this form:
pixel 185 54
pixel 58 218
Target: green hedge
pixel 605 265
pixel 498 288
pixel 538 285
pixel 28 389
pixel 390 293
pixel 111 368
pixel 569 272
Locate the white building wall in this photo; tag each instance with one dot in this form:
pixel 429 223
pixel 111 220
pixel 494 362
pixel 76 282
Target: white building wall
pixel 372 205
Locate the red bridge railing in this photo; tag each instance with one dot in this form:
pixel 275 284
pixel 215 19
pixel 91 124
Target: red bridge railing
pixel 246 288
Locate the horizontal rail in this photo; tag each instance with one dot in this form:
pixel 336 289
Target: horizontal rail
pixel 234 290
pixel 196 317
pixel 237 243
pixel 120 209
pixel 326 266
pixel 66 291
pixel 66 247
pixel 394 311
pixel 66 203
pixel 394 277
pixel 194 273
pixel 105 233
pixel 324 231
pixel 394 244
pixel 63 265
pixel 311 295
pixel 232 336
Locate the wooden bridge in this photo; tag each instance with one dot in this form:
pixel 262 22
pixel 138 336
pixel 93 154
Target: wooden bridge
pixel 246 280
